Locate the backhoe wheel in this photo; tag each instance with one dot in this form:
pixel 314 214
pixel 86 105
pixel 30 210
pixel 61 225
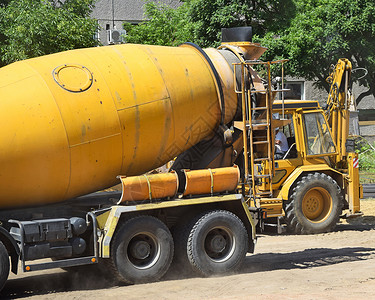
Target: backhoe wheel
pixel 217 243
pixel 4 265
pixel 315 205
pixel 141 250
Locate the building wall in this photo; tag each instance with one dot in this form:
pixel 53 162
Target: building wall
pixel 113 13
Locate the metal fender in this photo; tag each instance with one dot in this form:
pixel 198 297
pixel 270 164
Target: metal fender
pixel 297 173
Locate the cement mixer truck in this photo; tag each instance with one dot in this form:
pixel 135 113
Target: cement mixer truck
pixel 80 121
pixel 73 121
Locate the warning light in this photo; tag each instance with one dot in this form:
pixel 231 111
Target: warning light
pixel 28 268
pixel 93 259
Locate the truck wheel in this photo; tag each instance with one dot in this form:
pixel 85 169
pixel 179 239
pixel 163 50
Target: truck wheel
pixel 4 265
pixel 315 205
pixel 141 250
pixel 217 243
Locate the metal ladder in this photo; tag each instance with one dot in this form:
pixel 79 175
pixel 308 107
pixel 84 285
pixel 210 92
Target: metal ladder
pixel 258 136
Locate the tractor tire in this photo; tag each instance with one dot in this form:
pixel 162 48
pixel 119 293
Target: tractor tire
pixel 4 265
pixel 315 205
pixel 141 250
pixel 217 243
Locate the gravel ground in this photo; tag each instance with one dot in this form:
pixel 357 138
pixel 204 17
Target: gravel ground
pixel 333 265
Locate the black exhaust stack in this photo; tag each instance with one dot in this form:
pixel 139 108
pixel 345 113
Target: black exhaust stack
pixel 236 34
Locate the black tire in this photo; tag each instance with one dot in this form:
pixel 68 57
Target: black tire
pixel 180 234
pixel 141 250
pixel 315 205
pixel 217 243
pixel 4 265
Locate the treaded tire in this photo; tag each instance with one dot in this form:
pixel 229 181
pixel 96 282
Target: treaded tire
pixel 217 243
pixel 4 265
pixel 141 250
pixel 315 205
pixel 180 235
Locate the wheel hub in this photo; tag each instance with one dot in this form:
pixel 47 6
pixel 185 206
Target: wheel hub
pixel 312 204
pixel 317 204
pixel 140 249
pixel 217 243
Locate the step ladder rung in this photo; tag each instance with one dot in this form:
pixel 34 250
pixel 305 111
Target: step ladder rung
pixel 261 159
pixel 265 91
pixel 259 121
pixel 281 90
pixel 260 108
pixel 259 126
pixel 263 193
pixel 258 91
pixel 263 176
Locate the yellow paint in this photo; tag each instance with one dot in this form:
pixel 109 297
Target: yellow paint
pixel 251 220
pixel 211 181
pixel 353 186
pixel 75 120
pixel 251 51
pixel 150 186
pixel 298 171
pixel 317 205
pixel 109 230
pixel 273 206
pixel 102 219
pixel 192 201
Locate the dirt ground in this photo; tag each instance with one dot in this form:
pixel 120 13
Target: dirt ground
pixel 334 265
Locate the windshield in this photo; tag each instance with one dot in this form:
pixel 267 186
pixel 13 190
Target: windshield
pixel 319 139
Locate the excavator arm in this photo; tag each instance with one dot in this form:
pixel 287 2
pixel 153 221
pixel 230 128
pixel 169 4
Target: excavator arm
pixel 338 114
pixel 338 103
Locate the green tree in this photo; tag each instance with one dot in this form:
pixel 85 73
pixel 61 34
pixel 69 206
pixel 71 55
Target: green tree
pixel 200 21
pixel 31 28
pixel 313 34
pixel 321 32
pixel 210 16
pixel 164 26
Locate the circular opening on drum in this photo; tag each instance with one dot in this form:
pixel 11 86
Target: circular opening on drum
pixel 73 78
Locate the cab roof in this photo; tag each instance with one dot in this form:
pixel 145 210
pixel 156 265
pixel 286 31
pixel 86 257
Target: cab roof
pixel 295 104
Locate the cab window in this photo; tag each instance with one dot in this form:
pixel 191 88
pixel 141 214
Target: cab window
pixel 318 138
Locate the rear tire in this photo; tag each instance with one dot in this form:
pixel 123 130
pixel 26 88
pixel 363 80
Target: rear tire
pixel 217 243
pixel 141 250
pixel 4 265
pixel 315 205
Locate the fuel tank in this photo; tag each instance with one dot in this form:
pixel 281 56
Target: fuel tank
pixel 73 121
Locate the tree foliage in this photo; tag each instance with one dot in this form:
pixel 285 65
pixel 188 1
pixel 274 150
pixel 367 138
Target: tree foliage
pixel 164 26
pixel 323 31
pixel 200 21
pixel 209 17
pixel 31 28
pixel 313 34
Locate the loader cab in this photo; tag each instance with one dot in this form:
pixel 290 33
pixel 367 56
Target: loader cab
pixel 308 135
